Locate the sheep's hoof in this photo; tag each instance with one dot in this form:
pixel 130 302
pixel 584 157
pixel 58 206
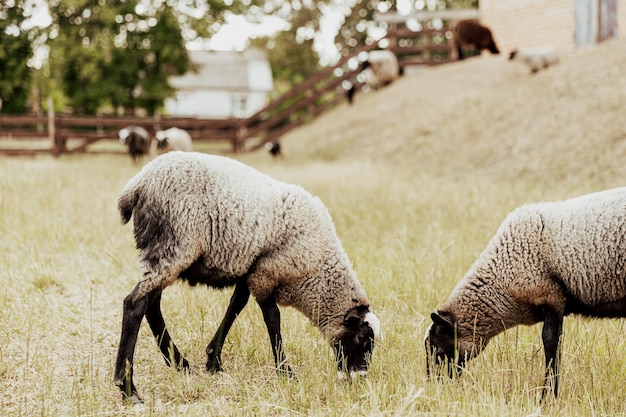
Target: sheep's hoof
pixel 133 399
pixel 214 366
pixel 285 371
pixel 183 365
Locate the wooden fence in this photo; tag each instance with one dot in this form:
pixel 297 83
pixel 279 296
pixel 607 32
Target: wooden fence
pixel 61 134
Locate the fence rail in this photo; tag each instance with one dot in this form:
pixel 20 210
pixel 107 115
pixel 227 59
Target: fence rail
pixel 71 134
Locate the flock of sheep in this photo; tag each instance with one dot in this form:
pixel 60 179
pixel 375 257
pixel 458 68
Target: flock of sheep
pixel 211 220
pixel 140 143
pixel 382 68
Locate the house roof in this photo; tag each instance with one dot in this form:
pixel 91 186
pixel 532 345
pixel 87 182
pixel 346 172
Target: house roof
pixel 247 70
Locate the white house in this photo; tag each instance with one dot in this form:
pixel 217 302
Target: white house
pixel 226 84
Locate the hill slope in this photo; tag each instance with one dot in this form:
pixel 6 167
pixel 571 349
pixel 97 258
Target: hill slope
pixel 486 114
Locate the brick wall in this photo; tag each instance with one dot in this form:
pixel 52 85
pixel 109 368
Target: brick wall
pixel 527 23
pixel 621 18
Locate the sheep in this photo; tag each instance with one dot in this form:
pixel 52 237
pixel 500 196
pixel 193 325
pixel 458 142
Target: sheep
pixel 379 69
pixel 273 147
pixel 211 220
pixel 469 32
pixel 137 139
pixel 172 139
pixel 535 58
pixel 546 261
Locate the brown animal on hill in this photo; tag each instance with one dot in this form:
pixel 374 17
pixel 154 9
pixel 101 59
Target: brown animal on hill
pixel 469 32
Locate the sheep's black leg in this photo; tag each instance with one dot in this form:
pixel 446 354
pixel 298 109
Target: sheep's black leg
pixel 551 335
pixel 134 309
pixel 166 345
pixel 238 301
pixel 459 52
pixel 271 315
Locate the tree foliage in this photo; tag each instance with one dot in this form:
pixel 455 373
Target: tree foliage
pixel 291 52
pixel 15 52
pixel 114 55
pixel 360 28
pixel 119 54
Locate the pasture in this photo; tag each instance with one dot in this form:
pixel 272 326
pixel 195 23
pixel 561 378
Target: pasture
pixel 415 191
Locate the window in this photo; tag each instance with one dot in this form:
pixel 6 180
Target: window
pixel 239 106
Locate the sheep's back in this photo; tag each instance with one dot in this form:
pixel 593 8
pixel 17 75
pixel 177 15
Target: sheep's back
pixel 215 208
pixel 585 244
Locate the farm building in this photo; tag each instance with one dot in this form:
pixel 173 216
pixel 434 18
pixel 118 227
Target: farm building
pixel 563 24
pixel 226 84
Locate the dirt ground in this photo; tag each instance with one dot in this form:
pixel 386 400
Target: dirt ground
pixel 488 114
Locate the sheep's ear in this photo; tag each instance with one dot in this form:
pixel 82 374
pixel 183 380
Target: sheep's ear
pixel 440 320
pixel 354 317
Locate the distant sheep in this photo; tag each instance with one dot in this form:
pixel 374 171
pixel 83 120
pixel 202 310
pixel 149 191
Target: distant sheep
pixel 172 139
pixel 379 69
pixel 137 139
pixel 535 58
pixel 469 32
pixel 212 220
pixel 546 261
pixel 273 148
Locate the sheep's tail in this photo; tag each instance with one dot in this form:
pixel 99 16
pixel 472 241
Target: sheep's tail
pixel 127 202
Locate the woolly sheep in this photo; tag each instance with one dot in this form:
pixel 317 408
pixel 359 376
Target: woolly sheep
pixel 172 139
pixel 211 220
pixel 547 260
pixel 137 139
pixel 380 68
pixel 535 58
pixel 273 147
pixel 469 32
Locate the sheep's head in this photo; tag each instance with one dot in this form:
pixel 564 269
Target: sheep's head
pixel 123 134
pixel 446 347
pixel 354 347
pixel 161 139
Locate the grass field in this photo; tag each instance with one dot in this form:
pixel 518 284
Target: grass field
pixel 413 202
pixel 68 263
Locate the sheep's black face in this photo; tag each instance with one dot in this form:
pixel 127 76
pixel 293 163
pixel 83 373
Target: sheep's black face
pixel 354 348
pixel 441 345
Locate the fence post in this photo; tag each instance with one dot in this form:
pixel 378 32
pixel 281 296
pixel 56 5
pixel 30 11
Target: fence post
pixel 52 131
pixel 240 136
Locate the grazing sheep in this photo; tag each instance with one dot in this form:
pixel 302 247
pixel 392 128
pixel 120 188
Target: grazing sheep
pixel 273 148
pixel 350 91
pixel 212 220
pixel 535 58
pixel 172 139
pixel 379 69
pixel 469 32
pixel 137 139
pixel 546 261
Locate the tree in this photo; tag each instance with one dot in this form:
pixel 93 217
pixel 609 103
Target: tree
pixel 359 25
pixel 292 51
pixel 103 55
pixel 15 52
pixel 120 54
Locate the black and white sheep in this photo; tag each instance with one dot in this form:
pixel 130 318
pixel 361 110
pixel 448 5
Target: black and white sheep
pixel 212 220
pixel 469 32
pixel 535 58
pixel 137 139
pixel 379 69
pixel 273 147
pixel 172 139
pixel 547 260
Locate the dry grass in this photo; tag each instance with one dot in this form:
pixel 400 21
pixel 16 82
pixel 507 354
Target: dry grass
pixel 417 177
